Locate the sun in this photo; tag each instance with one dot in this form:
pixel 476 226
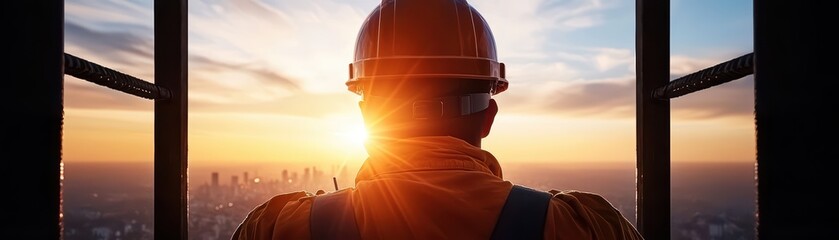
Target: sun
pixel 355 135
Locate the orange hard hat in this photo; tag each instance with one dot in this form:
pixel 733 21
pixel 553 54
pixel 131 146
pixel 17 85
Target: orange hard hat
pixel 443 39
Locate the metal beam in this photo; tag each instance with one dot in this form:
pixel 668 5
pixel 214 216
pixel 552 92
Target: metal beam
pixel 718 74
pixel 170 120
pixel 796 119
pixel 98 74
pixel 652 44
pixel 33 116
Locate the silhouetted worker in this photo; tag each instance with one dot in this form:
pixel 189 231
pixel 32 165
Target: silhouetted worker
pixel 426 71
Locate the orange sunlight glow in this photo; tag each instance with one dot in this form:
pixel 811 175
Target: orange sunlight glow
pixel 355 135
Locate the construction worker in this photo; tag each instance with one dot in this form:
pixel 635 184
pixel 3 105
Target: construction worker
pixel 426 71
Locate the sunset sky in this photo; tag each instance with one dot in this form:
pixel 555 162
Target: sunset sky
pixel 266 81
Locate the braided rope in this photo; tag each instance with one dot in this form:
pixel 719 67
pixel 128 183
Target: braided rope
pixel 95 73
pixel 709 77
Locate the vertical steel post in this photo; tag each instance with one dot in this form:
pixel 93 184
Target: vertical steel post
pixel 33 118
pixel 170 120
pixel 796 119
pixel 652 44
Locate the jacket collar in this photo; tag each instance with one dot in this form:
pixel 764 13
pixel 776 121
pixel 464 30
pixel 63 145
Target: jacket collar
pixel 425 153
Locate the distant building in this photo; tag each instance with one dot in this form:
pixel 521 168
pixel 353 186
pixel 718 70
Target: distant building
pixel 711 227
pixel 214 179
pixel 307 177
pixel 103 233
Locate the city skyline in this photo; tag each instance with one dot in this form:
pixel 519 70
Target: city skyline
pixel 105 198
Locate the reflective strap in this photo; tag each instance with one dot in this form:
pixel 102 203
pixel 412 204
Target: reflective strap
pixel 434 108
pixel 523 215
pixel 332 217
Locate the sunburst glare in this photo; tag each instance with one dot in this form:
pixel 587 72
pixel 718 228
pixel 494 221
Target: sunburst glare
pixel 354 134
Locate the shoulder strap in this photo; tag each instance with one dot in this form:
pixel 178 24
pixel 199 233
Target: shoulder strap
pixel 332 217
pixel 523 215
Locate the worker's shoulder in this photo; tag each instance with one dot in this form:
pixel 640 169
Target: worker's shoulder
pixel 577 197
pixel 568 205
pixel 265 215
pixel 285 198
pixel 582 195
pixel 572 197
pixel 277 202
pixel 297 198
pixel 274 205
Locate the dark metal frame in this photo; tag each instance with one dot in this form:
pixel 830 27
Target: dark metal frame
pixel 796 119
pixel 170 121
pixel 32 119
pixel 652 44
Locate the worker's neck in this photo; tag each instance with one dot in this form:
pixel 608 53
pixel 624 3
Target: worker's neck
pixel 384 138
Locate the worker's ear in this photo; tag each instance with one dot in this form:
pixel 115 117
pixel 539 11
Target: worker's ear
pixel 489 118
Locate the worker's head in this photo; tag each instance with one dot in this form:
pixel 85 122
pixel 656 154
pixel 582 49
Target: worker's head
pixel 426 68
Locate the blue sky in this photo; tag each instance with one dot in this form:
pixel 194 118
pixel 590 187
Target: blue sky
pixel 568 60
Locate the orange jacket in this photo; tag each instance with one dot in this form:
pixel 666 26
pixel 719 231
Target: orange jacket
pixel 435 188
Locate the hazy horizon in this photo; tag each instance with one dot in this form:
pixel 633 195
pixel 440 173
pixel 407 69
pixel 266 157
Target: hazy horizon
pixel 200 174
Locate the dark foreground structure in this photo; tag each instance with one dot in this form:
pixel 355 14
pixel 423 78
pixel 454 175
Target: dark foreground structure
pixel 795 116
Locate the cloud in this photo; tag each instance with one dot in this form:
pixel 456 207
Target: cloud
pixel 608 58
pixel 219 77
pixel 525 30
pixel 109 15
pixel 310 41
pixel 615 97
pixel 585 98
pixel 306 105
